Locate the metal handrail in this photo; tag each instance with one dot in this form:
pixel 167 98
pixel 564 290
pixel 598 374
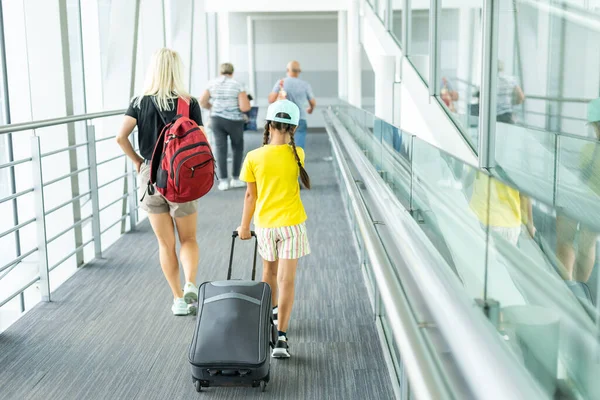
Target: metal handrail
pixel 16 195
pixel 472 339
pixel 17 162
pixel 38 194
pixel 26 126
pixel 558 99
pixel 425 378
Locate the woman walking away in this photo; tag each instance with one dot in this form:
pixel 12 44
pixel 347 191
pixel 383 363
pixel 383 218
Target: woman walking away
pixel 273 197
pixel 149 112
pixel 228 101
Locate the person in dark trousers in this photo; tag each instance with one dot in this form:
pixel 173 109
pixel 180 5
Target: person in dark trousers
pixel 158 103
pixel 228 101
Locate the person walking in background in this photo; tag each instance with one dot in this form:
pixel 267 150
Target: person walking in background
pixel 273 198
pixel 509 94
pixel 501 208
pixel 228 101
pixel 298 92
pixel 149 111
pixel 579 259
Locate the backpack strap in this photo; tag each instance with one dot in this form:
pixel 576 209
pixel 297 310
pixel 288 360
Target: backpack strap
pixel 183 108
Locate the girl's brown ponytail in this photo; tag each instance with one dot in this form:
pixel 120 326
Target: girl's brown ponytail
pixel 287 128
pixel 266 134
pixel 303 174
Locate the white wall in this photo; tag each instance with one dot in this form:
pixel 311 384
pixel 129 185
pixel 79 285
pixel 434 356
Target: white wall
pixel 281 37
pixel 275 6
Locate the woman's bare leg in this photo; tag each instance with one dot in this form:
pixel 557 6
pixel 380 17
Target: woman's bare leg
pixel 162 224
pixel 189 252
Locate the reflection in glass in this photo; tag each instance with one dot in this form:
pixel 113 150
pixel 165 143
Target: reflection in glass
pixel 396 30
pixel 419 40
pixel 460 62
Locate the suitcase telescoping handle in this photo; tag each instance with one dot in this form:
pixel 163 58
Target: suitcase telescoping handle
pixel 233 236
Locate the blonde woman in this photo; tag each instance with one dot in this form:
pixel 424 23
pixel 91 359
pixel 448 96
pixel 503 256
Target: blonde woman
pixel 149 112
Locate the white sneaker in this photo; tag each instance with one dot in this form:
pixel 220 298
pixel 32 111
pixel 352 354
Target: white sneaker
pixel 179 307
pixel 223 185
pixel 190 293
pixel 236 183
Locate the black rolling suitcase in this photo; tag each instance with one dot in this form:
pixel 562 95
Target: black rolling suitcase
pixel 234 332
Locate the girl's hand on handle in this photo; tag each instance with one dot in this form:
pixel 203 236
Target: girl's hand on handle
pixel 244 232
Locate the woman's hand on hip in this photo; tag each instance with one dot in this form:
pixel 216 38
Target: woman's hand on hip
pixel 244 233
pixel 138 164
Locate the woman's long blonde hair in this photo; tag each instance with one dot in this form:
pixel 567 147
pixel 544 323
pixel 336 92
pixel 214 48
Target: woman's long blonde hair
pixel 164 79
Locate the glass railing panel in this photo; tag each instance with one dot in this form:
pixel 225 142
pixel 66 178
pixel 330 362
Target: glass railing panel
pixel 535 264
pixel 543 273
pixel 419 38
pixel 451 204
pixel 396 161
pixel 396 30
pixel 460 65
pixel 381 9
pixel 578 178
pixel 527 158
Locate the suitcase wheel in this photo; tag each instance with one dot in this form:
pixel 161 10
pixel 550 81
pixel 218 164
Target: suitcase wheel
pixel 263 386
pixel 198 386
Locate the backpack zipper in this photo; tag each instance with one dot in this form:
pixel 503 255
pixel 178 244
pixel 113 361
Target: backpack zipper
pixel 188 147
pixel 202 164
pixel 195 166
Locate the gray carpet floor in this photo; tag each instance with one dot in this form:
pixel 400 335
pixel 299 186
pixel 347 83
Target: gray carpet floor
pixel 110 334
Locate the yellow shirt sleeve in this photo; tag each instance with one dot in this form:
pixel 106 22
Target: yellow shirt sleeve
pixel 247 172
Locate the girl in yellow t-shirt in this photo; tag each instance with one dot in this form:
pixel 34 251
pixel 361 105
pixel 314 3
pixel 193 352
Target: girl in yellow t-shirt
pixel 273 197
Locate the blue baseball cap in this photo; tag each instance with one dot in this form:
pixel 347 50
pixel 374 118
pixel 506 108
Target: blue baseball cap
pixel 284 106
pixel 594 110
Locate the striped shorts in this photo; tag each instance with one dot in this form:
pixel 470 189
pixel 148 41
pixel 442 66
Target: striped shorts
pixel 287 242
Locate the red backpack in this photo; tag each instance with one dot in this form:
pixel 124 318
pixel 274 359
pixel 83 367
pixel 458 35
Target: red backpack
pixel 183 166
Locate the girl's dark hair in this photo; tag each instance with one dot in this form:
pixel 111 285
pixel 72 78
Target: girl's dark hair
pixel 287 128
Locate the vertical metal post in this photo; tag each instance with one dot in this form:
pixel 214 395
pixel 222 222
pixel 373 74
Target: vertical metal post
pixel 126 185
pixel 411 204
pixel 71 133
pixel 489 76
pixel 406 25
pixel 9 141
pixel 556 169
pixel 22 301
pixel 251 55
pixel 164 23
pixel 131 195
pixel 40 217
pixel 435 10
pixel 82 58
pixel 389 15
pixel 191 47
pixel 91 148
